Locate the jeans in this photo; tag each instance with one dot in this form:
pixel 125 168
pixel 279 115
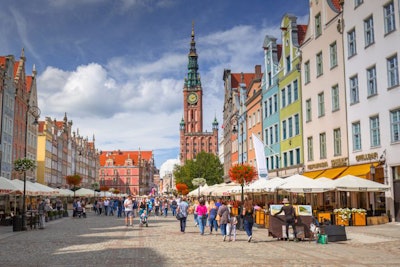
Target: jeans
pixel 232 231
pixel 213 224
pixel 165 212
pixel 292 223
pixel 223 229
pixel 119 211
pixel 248 227
pixel 183 224
pixel 173 211
pixel 202 223
pixel 196 219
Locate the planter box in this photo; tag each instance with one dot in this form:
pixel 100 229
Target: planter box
pixel 235 211
pixel 339 221
pixel 266 221
pixel 377 220
pixel 322 216
pixel 260 217
pixel 359 219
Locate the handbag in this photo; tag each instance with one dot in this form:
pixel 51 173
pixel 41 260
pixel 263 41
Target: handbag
pixel 179 216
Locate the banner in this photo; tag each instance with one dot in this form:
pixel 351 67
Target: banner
pixel 260 157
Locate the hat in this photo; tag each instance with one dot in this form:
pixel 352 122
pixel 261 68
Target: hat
pixel 285 201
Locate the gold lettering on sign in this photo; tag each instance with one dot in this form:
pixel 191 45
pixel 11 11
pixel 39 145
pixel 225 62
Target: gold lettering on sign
pixel 318 165
pixel 367 157
pixel 339 162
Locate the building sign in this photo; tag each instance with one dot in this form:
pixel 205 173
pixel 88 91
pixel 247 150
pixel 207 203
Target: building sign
pixel 367 157
pixel 339 162
pixel 318 165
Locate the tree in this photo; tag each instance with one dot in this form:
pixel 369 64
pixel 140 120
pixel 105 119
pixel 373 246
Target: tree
pixel 205 165
pixel 242 174
pixel 182 189
pixel 74 180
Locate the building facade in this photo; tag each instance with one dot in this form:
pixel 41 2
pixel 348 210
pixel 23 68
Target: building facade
pixel 130 172
pixel 192 137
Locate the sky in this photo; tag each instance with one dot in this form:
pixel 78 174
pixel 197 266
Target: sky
pixel 117 67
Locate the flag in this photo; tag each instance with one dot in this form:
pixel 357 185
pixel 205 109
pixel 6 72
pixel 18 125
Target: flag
pixel 260 157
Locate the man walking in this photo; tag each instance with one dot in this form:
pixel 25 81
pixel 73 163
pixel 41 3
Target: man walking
pixel 183 209
pixel 128 204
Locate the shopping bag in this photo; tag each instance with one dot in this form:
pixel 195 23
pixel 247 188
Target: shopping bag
pixel 322 239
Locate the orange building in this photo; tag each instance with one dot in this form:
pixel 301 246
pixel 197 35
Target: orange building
pixel 130 172
pixel 192 138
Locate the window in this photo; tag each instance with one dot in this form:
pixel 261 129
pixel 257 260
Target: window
pixel 318 27
pixel 275 103
pixel 307 72
pixel 393 71
pixel 289 94
pixel 322 145
pixel 357 2
pixel 333 55
pixel 285 159
pixel 395 125
pixel 291 158
pixel 351 43
pixel 266 137
pixel 369 31
pixel 388 14
pixel 310 149
pixel 308 110
pixel 288 64
pixel 276 133
pixel 335 98
pixel 356 136
pixel 295 91
pixel 298 157
pixel 283 92
pixel 320 70
pixel 296 124
pixel 354 96
pixel 284 132
pixel 337 142
pixel 374 131
pixel 321 105
pixel 270 106
pixel 269 79
pixel 290 122
pixel 271 135
pixel 371 81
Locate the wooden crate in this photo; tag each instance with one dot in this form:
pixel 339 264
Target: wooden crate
pixel 377 220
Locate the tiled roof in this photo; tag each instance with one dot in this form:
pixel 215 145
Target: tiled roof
pixel 28 83
pixel 279 47
pixel 301 33
pixel 3 61
pixel 237 79
pixel 16 64
pixel 120 157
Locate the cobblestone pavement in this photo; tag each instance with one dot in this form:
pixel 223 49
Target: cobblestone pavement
pixel 106 241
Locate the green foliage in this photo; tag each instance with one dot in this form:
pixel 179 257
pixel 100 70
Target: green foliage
pixel 24 164
pixel 205 165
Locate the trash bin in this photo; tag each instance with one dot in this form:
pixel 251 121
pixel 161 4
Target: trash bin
pixel 17 223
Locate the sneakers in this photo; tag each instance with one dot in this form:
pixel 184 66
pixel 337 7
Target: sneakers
pixel 249 239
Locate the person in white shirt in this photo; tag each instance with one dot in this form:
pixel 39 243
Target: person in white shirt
pixel 128 204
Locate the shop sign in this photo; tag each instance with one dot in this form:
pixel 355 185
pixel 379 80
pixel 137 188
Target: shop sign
pixel 367 157
pixel 318 165
pixel 339 162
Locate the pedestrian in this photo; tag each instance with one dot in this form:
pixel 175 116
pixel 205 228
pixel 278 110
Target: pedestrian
pixel 42 213
pixel 195 217
pixel 174 206
pixel 290 218
pixel 232 226
pixel 202 215
pixel 106 205
pixel 157 204
pixel 165 207
pixel 128 204
pixel 223 213
pixel 183 209
pixel 248 219
pixel 119 207
pixel 212 214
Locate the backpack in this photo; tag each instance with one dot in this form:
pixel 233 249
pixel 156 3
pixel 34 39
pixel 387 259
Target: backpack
pixel 135 204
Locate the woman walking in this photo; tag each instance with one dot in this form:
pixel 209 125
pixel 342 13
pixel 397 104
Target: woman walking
pixel 248 219
pixel 183 209
pixel 212 214
pixel 202 215
pixel 223 213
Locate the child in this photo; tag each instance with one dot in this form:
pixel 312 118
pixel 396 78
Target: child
pixel 232 227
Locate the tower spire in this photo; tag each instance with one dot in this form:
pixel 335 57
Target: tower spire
pixel 193 78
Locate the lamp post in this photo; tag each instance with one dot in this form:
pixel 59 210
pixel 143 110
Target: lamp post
pixel 372 171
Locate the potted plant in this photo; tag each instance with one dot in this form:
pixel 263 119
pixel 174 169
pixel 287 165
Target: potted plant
pixel 343 216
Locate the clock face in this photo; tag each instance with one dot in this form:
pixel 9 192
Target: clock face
pixel 192 98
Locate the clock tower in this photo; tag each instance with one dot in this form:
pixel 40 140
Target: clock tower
pixel 192 138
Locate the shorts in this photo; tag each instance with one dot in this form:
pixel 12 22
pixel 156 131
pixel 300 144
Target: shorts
pixel 129 213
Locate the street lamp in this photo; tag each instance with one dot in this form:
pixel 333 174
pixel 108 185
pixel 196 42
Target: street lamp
pixel 372 171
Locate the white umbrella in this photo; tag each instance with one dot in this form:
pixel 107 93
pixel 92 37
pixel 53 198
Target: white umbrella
pixel 65 192
pixel 84 192
pixel 357 184
pixel 30 189
pixel 273 184
pixel 7 187
pixel 301 184
pixel 222 189
pixel 44 188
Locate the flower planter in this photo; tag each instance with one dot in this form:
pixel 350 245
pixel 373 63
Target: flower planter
pixel 359 219
pixel 340 221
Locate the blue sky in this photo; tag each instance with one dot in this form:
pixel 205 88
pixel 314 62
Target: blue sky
pixel 117 67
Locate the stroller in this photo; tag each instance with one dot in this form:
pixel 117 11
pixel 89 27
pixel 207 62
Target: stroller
pixel 80 212
pixel 143 217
